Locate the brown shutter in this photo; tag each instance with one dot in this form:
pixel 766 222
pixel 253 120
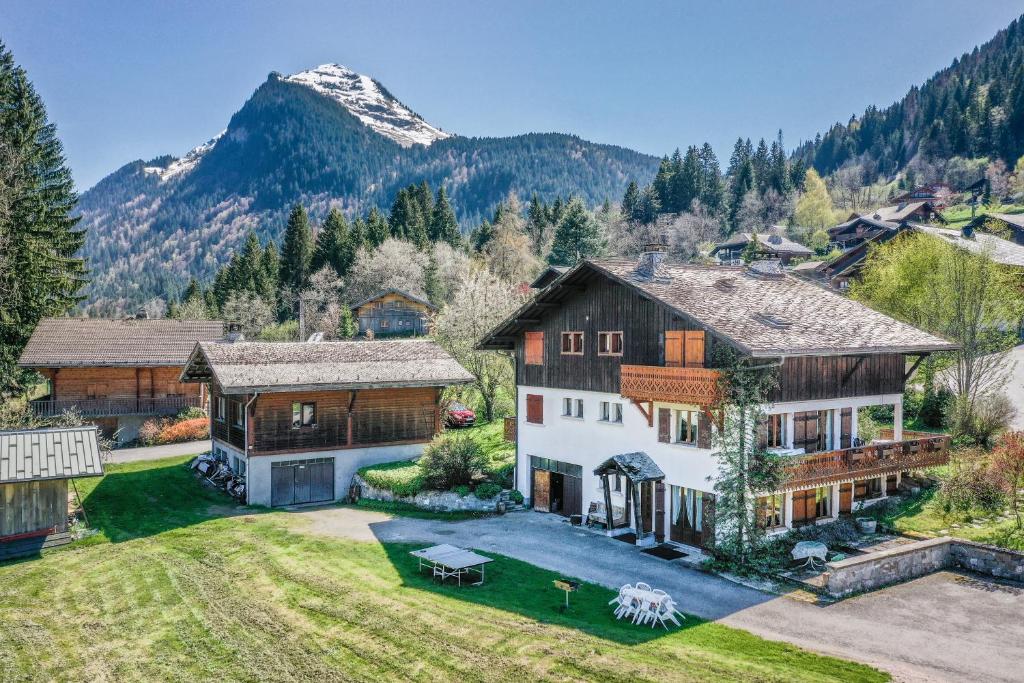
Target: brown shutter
pixel 535 408
pixel 703 431
pixel 534 348
pixel 695 349
pixel 673 349
pixel 664 425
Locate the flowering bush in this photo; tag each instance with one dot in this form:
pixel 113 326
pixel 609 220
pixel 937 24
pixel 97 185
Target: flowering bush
pixel 186 430
pixel 149 432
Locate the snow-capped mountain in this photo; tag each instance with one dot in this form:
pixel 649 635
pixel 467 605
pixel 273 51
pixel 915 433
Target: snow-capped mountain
pixel 371 103
pixel 186 163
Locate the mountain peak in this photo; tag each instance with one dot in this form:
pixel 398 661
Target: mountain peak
pixel 370 102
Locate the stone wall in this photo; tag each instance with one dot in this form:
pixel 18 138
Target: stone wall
pixel 442 501
pixel 874 570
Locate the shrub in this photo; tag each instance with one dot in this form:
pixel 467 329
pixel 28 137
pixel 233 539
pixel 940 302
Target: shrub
pixel 185 430
pixel 516 497
pixel 191 413
pixel 403 478
pixel 451 460
pixel 993 414
pixel 149 432
pixel 970 485
pixel 487 490
pixel 462 490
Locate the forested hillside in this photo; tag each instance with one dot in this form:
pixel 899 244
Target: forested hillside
pixel 153 224
pixel 972 109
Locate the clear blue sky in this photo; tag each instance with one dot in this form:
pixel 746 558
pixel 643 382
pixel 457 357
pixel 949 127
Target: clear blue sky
pixel 136 79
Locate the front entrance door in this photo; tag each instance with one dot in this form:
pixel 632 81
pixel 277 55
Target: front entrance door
pixel 659 511
pixel 686 524
pixel 646 507
pixel 542 490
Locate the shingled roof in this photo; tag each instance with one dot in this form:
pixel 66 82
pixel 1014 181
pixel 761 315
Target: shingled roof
pixel 761 314
pixel 38 454
pixel 769 242
pixel 96 342
pixel 245 367
pixel 996 248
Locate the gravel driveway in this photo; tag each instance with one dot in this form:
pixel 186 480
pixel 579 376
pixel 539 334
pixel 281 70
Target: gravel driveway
pixel 946 626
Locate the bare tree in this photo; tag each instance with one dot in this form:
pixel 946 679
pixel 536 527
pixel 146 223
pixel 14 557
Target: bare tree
pixel 248 310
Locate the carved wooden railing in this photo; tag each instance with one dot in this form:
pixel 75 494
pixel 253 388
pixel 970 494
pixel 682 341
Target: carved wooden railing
pixel 817 469
pixel 109 407
pixel 510 428
pixel 697 386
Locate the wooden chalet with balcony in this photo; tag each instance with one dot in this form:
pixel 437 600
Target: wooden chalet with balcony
pixel 620 400
pixel 298 419
pixel 116 373
pixel 394 313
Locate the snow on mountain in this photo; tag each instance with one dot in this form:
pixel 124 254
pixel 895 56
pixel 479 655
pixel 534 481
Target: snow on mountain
pixel 185 163
pixel 368 101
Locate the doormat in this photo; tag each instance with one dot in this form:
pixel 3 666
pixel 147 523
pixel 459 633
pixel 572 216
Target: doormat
pixel 626 538
pixel 665 552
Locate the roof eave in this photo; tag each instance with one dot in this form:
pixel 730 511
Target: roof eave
pixel 339 386
pixel 870 351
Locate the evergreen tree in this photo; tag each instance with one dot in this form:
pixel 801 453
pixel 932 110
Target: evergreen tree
pixel 688 183
pixel 761 163
pixel 250 263
pixel 631 201
pixel 443 225
pixel 377 229
pixel 269 281
pixel 192 292
pixel 711 179
pixel 537 224
pixel 357 236
pixel 347 326
pixel 577 236
pixel 481 235
pixel 296 250
pixel 40 274
pixel 663 183
pixel 649 207
pixel 432 282
pixel 333 246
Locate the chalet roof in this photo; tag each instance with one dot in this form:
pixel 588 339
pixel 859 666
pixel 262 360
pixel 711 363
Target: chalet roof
pixel 38 454
pixel 245 367
pixel 807 266
pixel 400 292
pixel 868 219
pixel 1014 219
pixel 97 342
pixel 996 248
pixel 547 276
pixel 770 242
pixel 761 314
pixel 638 467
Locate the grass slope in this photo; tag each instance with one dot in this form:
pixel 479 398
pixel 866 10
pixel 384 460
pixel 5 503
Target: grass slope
pixel 176 588
pixel 923 514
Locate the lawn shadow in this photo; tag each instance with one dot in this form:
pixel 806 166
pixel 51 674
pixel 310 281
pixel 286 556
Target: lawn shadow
pixel 529 591
pixel 138 499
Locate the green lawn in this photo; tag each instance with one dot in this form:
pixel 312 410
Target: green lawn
pixel 180 585
pixel 923 514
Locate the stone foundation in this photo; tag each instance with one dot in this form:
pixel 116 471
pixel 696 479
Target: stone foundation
pixel 438 501
pixel 868 572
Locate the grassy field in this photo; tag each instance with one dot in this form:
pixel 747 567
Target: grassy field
pixel 181 585
pixel 923 514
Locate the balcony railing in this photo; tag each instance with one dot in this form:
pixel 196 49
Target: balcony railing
pixel 817 469
pixel 698 386
pixel 110 407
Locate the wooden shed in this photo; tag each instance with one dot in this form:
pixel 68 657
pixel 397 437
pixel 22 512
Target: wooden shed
pixel 35 467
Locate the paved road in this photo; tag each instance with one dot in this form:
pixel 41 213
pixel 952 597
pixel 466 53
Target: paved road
pixel 942 627
pixel 157 452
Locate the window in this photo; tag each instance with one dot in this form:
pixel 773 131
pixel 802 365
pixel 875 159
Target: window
pixel 617 483
pixel 611 412
pixel 384 323
pixel 774 435
pixel 609 343
pixel 823 501
pixel 239 413
pixel 238 466
pixel 222 409
pixel 770 511
pixel 686 427
pixel 572 343
pixel 303 415
pixel 572 407
pixel 535 409
pixel 534 348
pixel 567 407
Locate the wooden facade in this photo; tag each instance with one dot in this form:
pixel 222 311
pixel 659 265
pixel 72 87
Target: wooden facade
pixel 112 391
pixel 33 508
pixel 343 419
pixel 393 313
pixel 809 378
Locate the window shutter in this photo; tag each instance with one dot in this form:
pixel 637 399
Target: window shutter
pixel 695 349
pixel 703 431
pixel 534 348
pixel 673 349
pixel 664 425
pixel 535 408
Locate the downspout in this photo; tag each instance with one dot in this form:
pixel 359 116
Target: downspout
pixel 246 411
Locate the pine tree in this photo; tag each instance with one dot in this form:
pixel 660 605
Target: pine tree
pixel 537 225
pixel 296 250
pixel 649 207
pixel 377 229
pixel 630 201
pixel 250 269
pixel 711 179
pixel 444 227
pixel 432 282
pixel 761 163
pixel 577 236
pixel 663 184
pixel 40 274
pixel 271 273
pixel 481 235
pixel 347 326
pixel 357 235
pixel 333 247
pixel 688 183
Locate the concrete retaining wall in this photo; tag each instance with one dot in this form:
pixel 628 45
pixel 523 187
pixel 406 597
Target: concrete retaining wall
pixel 444 501
pixel 868 572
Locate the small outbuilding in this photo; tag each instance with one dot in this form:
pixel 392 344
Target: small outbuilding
pixel 394 313
pixel 35 467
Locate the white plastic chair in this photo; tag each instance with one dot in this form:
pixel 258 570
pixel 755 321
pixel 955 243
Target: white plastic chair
pixel 640 586
pixel 617 600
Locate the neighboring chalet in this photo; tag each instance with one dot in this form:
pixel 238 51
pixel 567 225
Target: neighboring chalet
pixel 298 419
pixel 35 467
pixel 938 194
pixel 394 312
pixel 859 228
pixel 770 245
pixel 116 373
pixel 1012 224
pixel 547 276
pixel 618 398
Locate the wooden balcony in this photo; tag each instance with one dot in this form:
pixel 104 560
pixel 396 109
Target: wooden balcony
pixel 818 469
pixel 112 407
pixel 695 386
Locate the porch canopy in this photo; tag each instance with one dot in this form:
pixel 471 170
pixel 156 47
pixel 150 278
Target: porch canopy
pixel 639 469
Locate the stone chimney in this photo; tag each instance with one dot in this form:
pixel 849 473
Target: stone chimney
pixel 142 314
pixel 967 232
pixel 651 258
pixel 234 333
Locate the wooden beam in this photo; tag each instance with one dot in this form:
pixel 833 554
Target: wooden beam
pixel 913 368
pixel 609 518
pixel 648 412
pixel 527 321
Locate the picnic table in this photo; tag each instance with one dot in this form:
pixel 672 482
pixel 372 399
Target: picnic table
pixel 448 561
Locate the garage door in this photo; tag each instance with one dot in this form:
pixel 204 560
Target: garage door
pixel 294 482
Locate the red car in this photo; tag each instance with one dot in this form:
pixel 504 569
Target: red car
pixel 458 415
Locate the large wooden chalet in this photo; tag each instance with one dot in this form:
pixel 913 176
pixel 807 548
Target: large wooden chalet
pixel 298 419
pixel 618 397
pixel 116 373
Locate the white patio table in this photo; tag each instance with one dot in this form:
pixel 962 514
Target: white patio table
pixel 451 561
